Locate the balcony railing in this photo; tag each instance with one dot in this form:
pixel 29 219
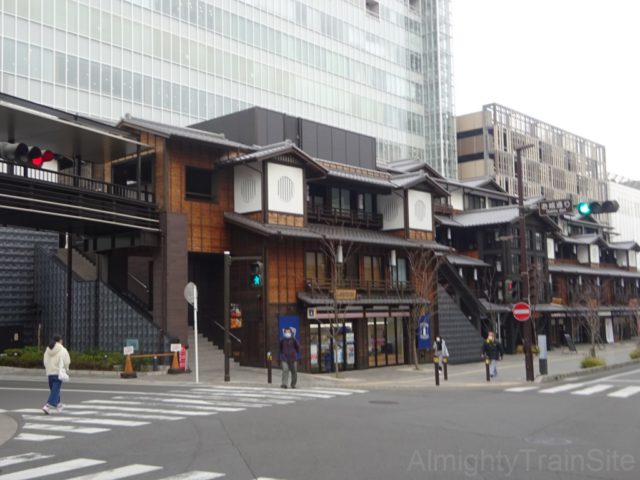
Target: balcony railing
pixel 364 287
pixel 332 216
pixel 76 182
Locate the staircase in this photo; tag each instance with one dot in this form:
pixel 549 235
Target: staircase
pixel 210 357
pixel 463 339
pixel 82 266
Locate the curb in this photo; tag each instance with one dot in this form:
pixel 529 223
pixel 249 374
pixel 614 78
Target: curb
pixel 8 428
pixel 586 371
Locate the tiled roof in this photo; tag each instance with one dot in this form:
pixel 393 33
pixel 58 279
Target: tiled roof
pixel 624 246
pixel 182 132
pixel 465 261
pixel 319 299
pixel 448 221
pixel 604 272
pixel 589 239
pixel 268 229
pixel 490 216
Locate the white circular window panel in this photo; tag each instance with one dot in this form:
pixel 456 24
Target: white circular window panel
pixel 420 210
pixel 286 189
pixel 391 211
pixel 248 189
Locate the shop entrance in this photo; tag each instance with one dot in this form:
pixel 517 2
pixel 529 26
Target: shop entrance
pixel 322 346
pixel 385 341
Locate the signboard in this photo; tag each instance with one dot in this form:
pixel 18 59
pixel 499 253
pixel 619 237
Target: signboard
pixel 521 311
pixel 314 354
pixel 175 347
pixel 132 342
pixel 312 313
pixel 128 350
pixel 345 294
pixel 292 322
pixel 569 342
pixel 190 292
pixel 424 332
pixel 555 206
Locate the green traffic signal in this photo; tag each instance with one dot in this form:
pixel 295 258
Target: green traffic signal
pixel 584 208
pixel 256 280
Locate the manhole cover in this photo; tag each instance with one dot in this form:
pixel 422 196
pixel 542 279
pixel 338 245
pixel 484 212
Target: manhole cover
pixel 551 441
pixel 383 402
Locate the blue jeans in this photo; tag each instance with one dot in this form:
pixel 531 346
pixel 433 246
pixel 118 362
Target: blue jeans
pixel 493 368
pixel 55 384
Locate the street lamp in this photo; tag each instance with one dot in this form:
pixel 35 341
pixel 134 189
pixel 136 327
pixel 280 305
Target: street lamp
pixel 524 272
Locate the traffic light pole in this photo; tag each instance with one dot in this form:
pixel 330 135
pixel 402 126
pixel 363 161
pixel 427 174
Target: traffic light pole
pixel 228 260
pixel 524 271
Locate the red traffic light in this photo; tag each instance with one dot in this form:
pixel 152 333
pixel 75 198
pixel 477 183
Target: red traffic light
pixel 46 156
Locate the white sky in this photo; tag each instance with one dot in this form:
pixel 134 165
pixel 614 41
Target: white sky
pixel 574 64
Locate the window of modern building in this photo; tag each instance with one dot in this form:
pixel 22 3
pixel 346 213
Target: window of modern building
pixel 201 184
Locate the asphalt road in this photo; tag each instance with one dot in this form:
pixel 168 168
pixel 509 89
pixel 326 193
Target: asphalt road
pixel 576 429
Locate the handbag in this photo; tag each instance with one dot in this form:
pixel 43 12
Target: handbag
pixel 63 376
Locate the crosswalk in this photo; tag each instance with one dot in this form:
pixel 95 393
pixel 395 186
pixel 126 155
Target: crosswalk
pixel 137 409
pixel 583 389
pixel 34 465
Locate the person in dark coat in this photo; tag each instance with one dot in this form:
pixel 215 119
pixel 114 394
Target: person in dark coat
pixel 289 350
pixel 493 351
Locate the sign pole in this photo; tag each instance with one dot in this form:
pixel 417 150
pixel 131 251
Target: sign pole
pixel 195 331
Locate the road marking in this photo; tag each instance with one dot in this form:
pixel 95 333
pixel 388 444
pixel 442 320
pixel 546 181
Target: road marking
pixel 25 457
pixel 291 394
pixel 626 392
pixel 195 475
pixel 142 410
pixel 591 390
pixel 84 420
pixel 521 389
pixel 34 437
pixel 562 388
pixel 211 402
pixel 63 428
pixel 52 469
pixel 116 473
pixel 132 402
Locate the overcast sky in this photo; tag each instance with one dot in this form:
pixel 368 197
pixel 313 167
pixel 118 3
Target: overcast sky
pixel 574 64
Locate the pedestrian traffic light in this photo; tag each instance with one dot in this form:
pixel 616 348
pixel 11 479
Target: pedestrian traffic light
pixel 590 208
pixel 255 279
pixel 21 153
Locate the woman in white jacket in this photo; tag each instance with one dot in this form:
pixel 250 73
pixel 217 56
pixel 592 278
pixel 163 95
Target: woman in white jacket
pixel 54 356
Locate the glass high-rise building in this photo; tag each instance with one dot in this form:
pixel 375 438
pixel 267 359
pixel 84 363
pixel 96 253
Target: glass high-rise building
pixel 377 67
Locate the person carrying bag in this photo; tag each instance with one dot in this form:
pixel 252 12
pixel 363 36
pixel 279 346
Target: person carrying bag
pixel 56 363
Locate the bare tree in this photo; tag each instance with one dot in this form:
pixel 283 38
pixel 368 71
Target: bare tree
pixel 423 264
pixel 588 298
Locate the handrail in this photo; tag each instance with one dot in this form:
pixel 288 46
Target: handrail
pixel 230 334
pixel 354 216
pixel 138 281
pixel 80 183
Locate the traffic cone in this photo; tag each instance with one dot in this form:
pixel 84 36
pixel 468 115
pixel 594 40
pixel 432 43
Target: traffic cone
pixel 128 372
pixel 175 366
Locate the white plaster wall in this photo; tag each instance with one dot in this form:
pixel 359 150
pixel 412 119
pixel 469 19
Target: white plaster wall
pixel 551 248
pixel 457 200
pixel 621 258
pixel 595 253
pixel 583 253
pixel 420 211
pixel 286 189
pixel 247 189
pixel 392 209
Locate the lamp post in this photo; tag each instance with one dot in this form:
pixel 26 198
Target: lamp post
pixel 524 271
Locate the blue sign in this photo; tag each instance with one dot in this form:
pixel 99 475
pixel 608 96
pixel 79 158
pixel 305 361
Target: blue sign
pixel 292 322
pixel 424 332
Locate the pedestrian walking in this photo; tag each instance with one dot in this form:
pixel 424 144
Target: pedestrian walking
pixel 493 351
pixel 289 350
pixel 441 350
pixel 56 363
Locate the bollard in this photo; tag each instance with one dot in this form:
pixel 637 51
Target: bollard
pixel 486 365
pixel 155 363
pixel 445 362
pixel 437 371
pixel 269 361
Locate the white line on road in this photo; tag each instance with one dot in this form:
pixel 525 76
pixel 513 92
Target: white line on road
pixel 131 402
pixel 195 475
pixel 34 437
pixel 116 473
pixel 625 392
pixel 52 469
pixel 562 388
pixel 25 457
pixel 521 389
pixel 64 428
pixel 591 390
pixel 84 420
pixel 212 402
pixel 142 410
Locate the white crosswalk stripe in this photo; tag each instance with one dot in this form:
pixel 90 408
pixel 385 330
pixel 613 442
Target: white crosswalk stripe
pixel 22 458
pixel 591 390
pixel 520 389
pixel 585 389
pixel 52 469
pixel 137 409
pixel 195 475
pixel 116 473
pixel 626 392
pixel 562 388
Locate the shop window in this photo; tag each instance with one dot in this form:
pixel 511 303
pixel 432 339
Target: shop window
pixel 201 184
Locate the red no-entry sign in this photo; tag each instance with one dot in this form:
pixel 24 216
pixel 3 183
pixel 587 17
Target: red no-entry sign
pixel 521 311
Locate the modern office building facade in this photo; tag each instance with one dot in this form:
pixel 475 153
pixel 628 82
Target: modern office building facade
pixel 559 165
pixel 380 68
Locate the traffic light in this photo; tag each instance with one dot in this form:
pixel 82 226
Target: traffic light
pixel 255 279
pixel 510 290
pixel 590 208
pixel 21 153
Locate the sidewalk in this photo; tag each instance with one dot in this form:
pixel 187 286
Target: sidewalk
pixel 511 371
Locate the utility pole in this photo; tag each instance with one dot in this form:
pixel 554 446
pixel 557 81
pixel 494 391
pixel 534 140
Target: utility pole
pixel 524 270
